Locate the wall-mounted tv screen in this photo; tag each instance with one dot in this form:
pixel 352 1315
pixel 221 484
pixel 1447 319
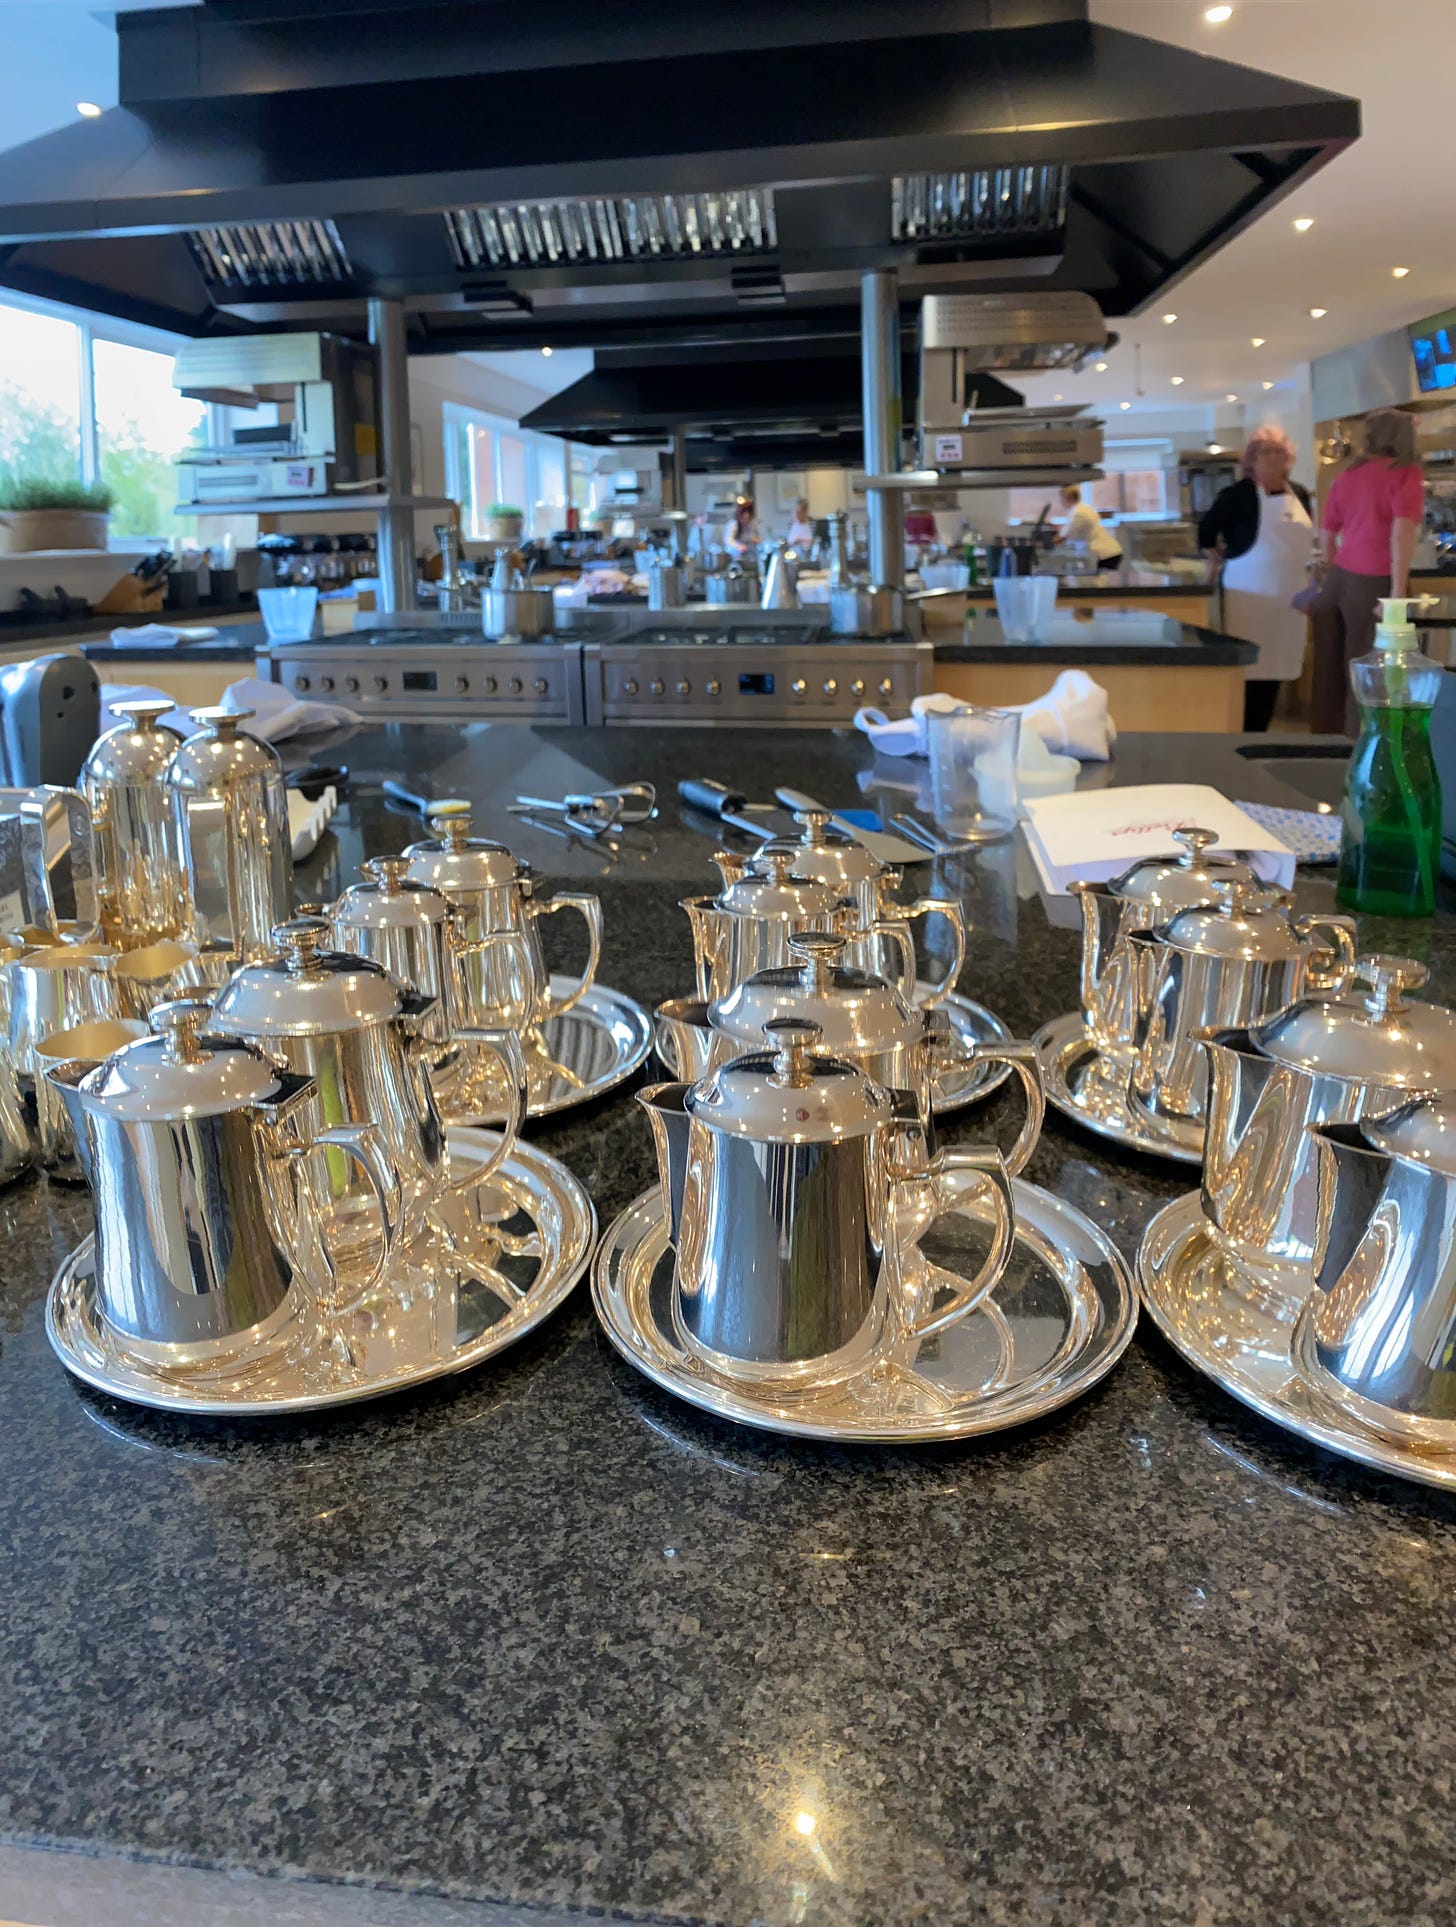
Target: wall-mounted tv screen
pixel 1433 343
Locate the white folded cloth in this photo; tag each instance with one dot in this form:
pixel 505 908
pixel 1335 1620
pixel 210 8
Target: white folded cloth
pixel 1071 719
pixel 159 635
pixel 276 714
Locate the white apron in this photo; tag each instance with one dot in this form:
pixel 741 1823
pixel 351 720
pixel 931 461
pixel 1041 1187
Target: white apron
pixel 1258 587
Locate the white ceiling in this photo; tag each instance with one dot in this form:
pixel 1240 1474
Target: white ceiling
pixel 1384 203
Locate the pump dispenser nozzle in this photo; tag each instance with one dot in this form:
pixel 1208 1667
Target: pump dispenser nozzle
pixel 1395 629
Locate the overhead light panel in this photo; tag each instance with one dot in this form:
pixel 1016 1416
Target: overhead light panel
pixel 1230 397
pixel 606 228
pixel 1268 384
pixel 1216 16
pixel 1124 405
pixel 1101 367
pixel 1400 273
pixel 1177 380
pixel 1169 319
pixel 88 110
pixel 1318 314
pixel 980 200
pixel 1256 341
pixel 1303 224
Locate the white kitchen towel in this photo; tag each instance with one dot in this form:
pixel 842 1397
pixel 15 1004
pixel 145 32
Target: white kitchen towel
pixel 276 714
pixel 1071 719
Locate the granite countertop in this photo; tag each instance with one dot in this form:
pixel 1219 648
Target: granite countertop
pixel 1103 585
pixel 1111 636
pixel 98 627
pixel 543 1638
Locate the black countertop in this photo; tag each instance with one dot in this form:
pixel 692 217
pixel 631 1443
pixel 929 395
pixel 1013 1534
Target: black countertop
pixel 545 1637
pixel 97 628
pixel 1110 636
pixel 1108 585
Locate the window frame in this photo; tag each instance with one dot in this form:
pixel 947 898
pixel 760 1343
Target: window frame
pixel 457 416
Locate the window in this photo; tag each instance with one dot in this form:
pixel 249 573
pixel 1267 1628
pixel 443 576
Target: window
pixel 489 460
pixel 1141 484
pixel 40 396
pixel 142 426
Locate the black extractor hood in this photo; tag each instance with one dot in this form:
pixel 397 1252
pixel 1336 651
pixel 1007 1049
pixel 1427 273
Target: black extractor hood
pixel 572 173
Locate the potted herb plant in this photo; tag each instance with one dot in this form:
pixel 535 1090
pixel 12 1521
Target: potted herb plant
pixel 36 514
pixel 504 523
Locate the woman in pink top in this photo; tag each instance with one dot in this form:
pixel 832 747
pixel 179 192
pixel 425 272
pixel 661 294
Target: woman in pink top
pixel 1372 517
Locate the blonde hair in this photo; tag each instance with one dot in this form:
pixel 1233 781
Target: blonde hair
pixel 1266 437
pixel 1391 432
pixel 1071 493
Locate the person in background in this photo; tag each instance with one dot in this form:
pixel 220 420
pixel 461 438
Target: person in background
pixel 743 534
pixel 801 529
pixel 1085 525
pixel 1371 523
pixel 1259 530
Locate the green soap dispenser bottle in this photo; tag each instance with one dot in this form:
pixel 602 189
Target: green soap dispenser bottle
pixel 1390 842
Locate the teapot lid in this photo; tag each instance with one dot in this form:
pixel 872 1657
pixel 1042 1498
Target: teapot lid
pixel 1249 920
pixel 389 898
pixel 454 860
pixel 775 889
pixel 855 1012
pixel 826 854
pixel 789 1094
pixel 137 750
pixel 1370 1036
pixel 1178 883
pixel 185 1070
pixel 306 990
pixel 222 756
pixel 1422 1132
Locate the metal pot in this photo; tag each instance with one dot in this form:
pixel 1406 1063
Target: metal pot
pixel 796 1191
pixel 185 1138
pixel 1215 969
pixel 1148 894
pixel 55 987
pixel 141 878
pixel 1321 1061
pixel 516 615
pixel 734 586
pixel 503 984
pixel 56 1149
pixel 231 810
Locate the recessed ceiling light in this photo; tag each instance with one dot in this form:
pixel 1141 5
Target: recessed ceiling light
pixel 1177 380
pixel 1268 384
pixel 1216 16
pixel 546 351
pixel 1056 398
pixel 1102 365
pixel 1215 448
pixel 1230 397
pixel 1124 405
pixel 1304 224
pixel 1318 314
pixel 88 110
pixel 1256 341
pixel 1169 319
pixel 1400 273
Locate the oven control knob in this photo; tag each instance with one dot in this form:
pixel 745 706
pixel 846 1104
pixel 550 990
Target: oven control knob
pixel 462 683
pixel 488 685
pixel 540 685
pixel 300 682
pixel 351 683
pixel 683 686
pixel 657 685
pixel 629 687
pixel 381 683
pixel 831 687
pixel 515 685
pixel 857 688
pixel 887 686
pixel 326 682
pixel 798 685
pixel 713 686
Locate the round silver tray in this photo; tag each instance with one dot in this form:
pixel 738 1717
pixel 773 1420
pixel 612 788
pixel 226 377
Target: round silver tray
pixel 1237 1331
pixel 501 1258
pixel 1078 1083
pixel 570 1059
pixel 1058 1322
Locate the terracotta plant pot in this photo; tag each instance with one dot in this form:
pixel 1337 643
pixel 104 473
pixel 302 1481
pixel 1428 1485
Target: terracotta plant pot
pixel 22 530
pixel 505 528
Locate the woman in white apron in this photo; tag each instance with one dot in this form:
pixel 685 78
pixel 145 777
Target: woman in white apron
pixel 1260 528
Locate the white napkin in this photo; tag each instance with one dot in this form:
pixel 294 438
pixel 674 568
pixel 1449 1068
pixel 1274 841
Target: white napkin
pixel 907 737
pixel 1071 719
pixel 276 714
pixel 158 635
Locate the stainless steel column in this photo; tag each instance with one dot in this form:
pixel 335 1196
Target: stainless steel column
pixel 680 493
pixel 396 525
pixel 879 323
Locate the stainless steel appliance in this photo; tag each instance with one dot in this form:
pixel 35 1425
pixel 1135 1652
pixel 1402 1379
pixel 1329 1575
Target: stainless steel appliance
pixel 436 674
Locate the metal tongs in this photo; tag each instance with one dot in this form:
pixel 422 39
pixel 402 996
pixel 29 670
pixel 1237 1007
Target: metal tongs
pixel 593 813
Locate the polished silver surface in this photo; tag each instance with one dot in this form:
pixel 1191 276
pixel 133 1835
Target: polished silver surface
pixel 52 814
pixel 1232 965
pixel 1230 1326
pixel 231 812
pixel 1090 1086
pixel 202 1162
pixel 55 987
pixel 1321 1061
pixel 501 1257
pixel 56 1149
pixel 149 975
pixel 571 1059
pixel 141 880
pixel 797 1189
pixel 1058 1320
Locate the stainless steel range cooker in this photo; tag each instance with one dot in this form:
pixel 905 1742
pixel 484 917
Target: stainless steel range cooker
pixel 608 666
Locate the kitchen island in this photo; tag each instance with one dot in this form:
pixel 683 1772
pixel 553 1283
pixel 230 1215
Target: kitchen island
pixel 543 1641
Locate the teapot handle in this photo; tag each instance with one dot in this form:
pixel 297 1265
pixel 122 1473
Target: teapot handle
pixel 942 1172
pixel 1023 1059
pixel 1341 951
pixel 507 1047
pixel 590 909
pixel 948 908
pixel 891 930
pixel 38 808
pixel 365 1144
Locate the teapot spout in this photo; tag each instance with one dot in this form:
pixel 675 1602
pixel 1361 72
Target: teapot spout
pixel 731 866
pixel 65 1079
pixel 1238 1076
pixel 1352 1175
pixel 666 1106
pixel 686 1041
pixel 1101 928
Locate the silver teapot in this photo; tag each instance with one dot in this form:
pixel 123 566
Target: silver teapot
pixel 203 1189
pixel 796 1190
pixel 1144 896
pixel 1206 969
pixel 1321 1061
pixel 1378 1334
pixel 230 806
pixel 141 879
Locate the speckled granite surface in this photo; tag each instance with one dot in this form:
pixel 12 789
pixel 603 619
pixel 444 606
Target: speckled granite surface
pixel 547 1638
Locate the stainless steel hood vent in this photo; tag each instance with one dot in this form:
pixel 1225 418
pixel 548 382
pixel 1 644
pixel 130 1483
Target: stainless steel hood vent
pixel 272 254
pixel 982 200
pixel 631 227
pixel 1012 332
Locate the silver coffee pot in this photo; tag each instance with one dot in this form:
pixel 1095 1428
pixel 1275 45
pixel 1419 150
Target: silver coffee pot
pixel 141 876
pixel 796 1189
pixel 202 1176
pixel 1235 964
pixel 1148 894
pixel 1378 1335
pixel 1321 1061
pixel 504 984
pixel 231 810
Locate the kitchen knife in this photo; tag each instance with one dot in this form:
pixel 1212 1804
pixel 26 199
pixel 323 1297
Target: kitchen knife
pixel 729 806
